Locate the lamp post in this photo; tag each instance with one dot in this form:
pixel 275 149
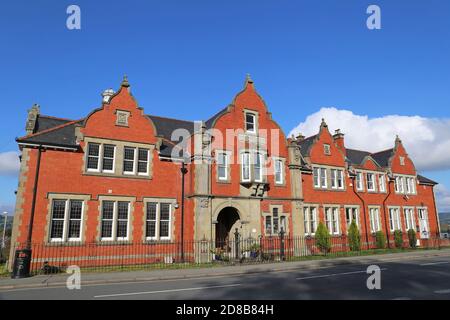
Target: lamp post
pixel 184 171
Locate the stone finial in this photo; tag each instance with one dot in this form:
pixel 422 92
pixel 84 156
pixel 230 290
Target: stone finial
pixel 125 82
pixel 323 123
pixel 397 139
pixel 300 137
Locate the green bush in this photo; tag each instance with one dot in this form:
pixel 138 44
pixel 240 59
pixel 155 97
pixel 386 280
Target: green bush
pixel 323 240
pixel 398 238
pixel 380 239
pixel 354 238
pixel 412 237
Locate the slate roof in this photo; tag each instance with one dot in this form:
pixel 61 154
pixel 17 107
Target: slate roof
pixel 166 126
pixel 424 180
pixel 383 157
pixel 47 122
pixel 209 123
pixel 305 144
pixel 62 135
pixel 356 156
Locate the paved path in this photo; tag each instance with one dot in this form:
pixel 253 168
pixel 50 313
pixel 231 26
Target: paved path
pixel 415 275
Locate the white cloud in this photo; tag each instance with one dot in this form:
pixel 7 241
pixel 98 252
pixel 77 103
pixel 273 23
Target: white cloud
pixel 442 198
pixel 427 140
pixel 9 163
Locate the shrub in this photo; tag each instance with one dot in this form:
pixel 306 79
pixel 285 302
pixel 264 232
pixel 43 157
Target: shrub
pixel 398 238
pixel 323 240
pixel 354 238
pixel 412 237
pixel 380 239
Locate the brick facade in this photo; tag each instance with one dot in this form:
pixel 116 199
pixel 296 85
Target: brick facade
pixel 269 194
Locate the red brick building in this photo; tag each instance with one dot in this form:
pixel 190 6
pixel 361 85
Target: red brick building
pixel 114 177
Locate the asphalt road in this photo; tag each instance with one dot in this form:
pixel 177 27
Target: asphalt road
pixel 424 278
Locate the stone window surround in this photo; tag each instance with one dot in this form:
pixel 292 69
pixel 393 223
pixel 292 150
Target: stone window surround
pixel 380 228
pixel 326 149
pixel 118 158
pixel 252 153
pixel 132 201
pixel 376 181
pixel 317 207
pixel 358 208
pixel 256 115
pixel 281 213
pixel 405 178
pixel 329 188
pixel 125 113
pixel 66 196
pixel 229 158
pixel 331 206
pixel 399 217
pixel 173 203
pixel 415 217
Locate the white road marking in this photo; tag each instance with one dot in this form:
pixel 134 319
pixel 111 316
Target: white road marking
pixel 166 291
pixel 334 274
pixel 442 291
pixel 434 263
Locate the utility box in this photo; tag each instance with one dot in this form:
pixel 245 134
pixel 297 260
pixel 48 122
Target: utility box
pixel 22 263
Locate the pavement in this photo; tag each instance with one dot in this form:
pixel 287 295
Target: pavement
pixel 411 275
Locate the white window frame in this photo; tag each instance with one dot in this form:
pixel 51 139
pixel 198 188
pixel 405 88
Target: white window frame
pixel 253 115
pixel 370 182
pixel 113 159
pixel 135 151
pixel 316 177
pixel 382 182
pixel 332 217
pixel 308 212
pixel 410 221
pixel 98 157
pixel 337 175
pixel 374 219
pixel 157 236
pixel 146 173
pixel 260 170
pixel 279 171
pixel 359 181
pixel 394 219
pixel 323 178
pixel 246 164
pixel 424 222
pixel 115 221
pixel 222 165
pixel 66 221
pixel 352 209
pixel 326 149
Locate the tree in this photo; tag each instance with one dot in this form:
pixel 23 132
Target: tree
pixel 380 239
pixel 398 238
pixel 412 237
pixel 323 240
pixel 354 238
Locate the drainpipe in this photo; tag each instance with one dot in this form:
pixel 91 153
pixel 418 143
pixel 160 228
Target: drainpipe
pixel 364 210
pixel 386 226
pixel 33 203
pixel 183 173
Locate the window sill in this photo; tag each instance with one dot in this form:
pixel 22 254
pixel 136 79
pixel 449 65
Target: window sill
pixel 113 175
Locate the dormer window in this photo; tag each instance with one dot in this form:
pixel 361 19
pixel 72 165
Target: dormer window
pixel 122 118
pixel 326 149
pixel 250 122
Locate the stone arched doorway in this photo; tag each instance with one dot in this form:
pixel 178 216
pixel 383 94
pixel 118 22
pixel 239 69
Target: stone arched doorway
pixel 227 220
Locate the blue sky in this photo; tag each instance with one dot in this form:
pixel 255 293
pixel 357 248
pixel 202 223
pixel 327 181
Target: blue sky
pixel 187 59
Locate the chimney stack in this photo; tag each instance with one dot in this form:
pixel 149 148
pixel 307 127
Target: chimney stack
pixel 339 140
pixel 31 119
